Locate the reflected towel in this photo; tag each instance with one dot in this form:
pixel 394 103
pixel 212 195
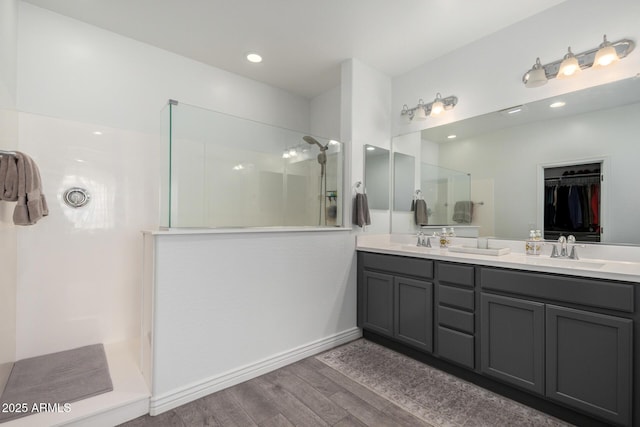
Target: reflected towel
pixel 8 178
pixel 361 210
pixel 463 212
pixel 32 204
pixel 420 213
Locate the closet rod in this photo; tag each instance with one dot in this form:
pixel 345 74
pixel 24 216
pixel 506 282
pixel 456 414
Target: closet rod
pixel 582 175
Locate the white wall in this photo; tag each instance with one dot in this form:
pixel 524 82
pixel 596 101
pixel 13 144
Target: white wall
pixel 229 307
pixel 366 96
pixel 508 160
pixel 77 71
pixel 325 114
pixel 8 141
pixel 486 75
pixel 79 270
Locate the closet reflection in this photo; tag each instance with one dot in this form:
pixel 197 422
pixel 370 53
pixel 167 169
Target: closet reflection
pixel 376 176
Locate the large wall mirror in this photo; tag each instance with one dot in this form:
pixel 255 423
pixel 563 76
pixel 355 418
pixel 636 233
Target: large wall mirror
pixel 404 167
pixel 507 154
pixel 376 176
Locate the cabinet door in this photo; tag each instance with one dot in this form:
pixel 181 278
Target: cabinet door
pixel 512 341
pixel 414 312
pixel 377 302
pixel 589 362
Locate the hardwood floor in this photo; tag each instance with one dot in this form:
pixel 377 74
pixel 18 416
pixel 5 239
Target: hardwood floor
pixel 307 393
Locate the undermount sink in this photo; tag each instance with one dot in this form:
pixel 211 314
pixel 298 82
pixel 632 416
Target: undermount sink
pixel 565 263
pixel 480 251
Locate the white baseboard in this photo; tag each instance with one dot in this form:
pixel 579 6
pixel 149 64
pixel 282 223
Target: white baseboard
pixel 194 391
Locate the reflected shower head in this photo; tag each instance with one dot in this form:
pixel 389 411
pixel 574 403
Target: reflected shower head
pixel 311 140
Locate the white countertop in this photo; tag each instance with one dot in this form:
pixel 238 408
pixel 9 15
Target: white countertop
pixel 603 268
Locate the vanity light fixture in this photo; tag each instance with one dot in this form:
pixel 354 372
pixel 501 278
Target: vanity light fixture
pixel 571 64
pixel 422 110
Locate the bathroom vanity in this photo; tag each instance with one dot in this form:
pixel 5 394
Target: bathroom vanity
pixel 562 337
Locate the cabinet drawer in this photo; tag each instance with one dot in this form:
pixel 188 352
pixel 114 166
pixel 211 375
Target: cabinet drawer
pixel 456 274
pixel 456 297
pixel 406 266
pixel 456 346
pixel 457 319
pixel 577 290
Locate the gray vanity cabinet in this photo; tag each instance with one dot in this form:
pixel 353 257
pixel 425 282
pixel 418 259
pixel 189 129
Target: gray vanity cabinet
pixel 376 296
pixel 455 313
pixel 395 298
pixel 579 358
pixel 512 341
pixel 589 362
pixel 413 321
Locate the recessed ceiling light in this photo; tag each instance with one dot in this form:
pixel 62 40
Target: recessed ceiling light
pixel 254 57
pixel 557 104
pixel 97 132
pixel 451 136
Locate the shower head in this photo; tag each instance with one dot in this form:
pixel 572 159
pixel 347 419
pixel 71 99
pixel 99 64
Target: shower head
pixel 311 140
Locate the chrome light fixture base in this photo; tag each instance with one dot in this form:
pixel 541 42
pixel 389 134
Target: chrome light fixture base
pixel 585 59
pixel 422 110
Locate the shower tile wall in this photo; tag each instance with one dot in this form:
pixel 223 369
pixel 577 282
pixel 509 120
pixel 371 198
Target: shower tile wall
pixel 79 269
pixel 8 260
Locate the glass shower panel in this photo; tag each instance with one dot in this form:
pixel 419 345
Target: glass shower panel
pixel 225 171
pixel 443 189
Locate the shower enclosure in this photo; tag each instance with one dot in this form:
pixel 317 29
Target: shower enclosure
pixel 226 171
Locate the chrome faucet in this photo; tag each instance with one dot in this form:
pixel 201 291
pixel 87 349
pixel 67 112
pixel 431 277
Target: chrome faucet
pixel 564 242
pixel 422 240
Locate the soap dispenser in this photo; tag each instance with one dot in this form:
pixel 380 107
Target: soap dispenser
pixel 532 244
pixel 444 240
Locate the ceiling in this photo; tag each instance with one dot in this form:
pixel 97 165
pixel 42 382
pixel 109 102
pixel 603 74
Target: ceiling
pixel 303 42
